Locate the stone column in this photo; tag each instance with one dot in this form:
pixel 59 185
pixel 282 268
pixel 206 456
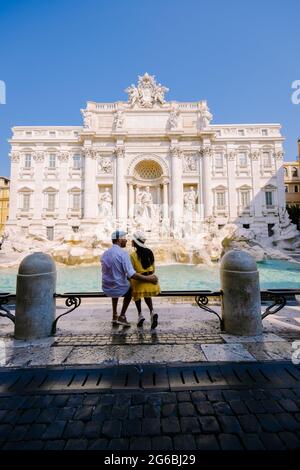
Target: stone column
pixel 130 200
pixel 121 190
pixel 206 180
pixel 90 186
pixel 13 189
pixel 165 201
pixel 38 195
pixel 176 187
pixel 63 185
pixel 232 196
pixel 280 177
pixel 200 187
pixel 158 195
pixel 255 167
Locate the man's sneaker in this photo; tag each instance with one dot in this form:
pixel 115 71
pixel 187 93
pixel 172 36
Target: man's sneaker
pixel 141 320
pixel 123 321
pixel 114 321
pixel 154 318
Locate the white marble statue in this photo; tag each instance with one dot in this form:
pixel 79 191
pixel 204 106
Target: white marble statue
pixel 189 199
pixel 173 119
pixel 159 93
pixel 105 203
pixel 144 210
pixel 133 94
pixel 205 115
pixel 118 120
pixel 87 119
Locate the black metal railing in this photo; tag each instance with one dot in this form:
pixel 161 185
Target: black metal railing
pixel 277 298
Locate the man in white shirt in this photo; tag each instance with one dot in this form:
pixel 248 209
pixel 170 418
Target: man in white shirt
pixel 116 272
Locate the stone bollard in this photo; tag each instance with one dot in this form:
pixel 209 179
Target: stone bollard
pixel 241 304
pixel 35 304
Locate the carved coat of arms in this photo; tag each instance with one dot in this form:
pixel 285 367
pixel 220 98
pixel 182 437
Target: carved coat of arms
pixel 147 93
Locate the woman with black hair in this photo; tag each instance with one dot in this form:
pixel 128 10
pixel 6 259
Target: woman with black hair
pixel 143 262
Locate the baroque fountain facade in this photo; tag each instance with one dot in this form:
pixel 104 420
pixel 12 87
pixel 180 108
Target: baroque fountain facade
pixel 196 189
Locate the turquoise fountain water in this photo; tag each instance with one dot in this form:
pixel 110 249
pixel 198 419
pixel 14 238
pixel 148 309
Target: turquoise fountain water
pixel 273 275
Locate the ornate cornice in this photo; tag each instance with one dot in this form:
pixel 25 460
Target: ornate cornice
pixel 38 157
pixel 279 155
pixel 206 152
pixel 176 151
pixel 90 153
pixel 255 155
pixel 15 157
pixel 231 155
pixel 63 156
pixel 119 152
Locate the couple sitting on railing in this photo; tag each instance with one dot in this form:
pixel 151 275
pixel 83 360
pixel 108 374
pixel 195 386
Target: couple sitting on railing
pixel 131 277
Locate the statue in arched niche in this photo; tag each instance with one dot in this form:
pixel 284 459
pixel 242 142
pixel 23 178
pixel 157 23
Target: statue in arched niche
pixel 105 203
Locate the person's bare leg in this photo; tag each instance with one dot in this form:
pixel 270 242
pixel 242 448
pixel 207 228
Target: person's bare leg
pixel 138 304
pixel 141 319
pixel 154 316
pixel 148 301
pixel 126 302
pixel 114 308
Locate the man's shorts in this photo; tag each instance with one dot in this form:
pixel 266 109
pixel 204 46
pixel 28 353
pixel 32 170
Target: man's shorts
pixel 128 294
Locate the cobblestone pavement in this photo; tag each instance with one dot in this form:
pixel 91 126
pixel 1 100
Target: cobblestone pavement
pixel 243 419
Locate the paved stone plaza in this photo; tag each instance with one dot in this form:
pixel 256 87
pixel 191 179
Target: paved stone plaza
pixel 263 416
pixel 184 334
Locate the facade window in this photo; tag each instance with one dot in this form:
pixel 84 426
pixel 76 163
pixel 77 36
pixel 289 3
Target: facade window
pixel 267 161
pixel 27 162
pixel 247 226
pixel 52 160
pixel 294 172
pixel 76 201
pixel 50 233
pixel 218 160
pixel 296 189
pixel 220 195
pixel 245 198
pixel 220 226
pixel 269 198
pixel 241 132
pixel 75 228
pixel 286 188
pixel 285 171
pixel 52 133
pixel 28 133
pixel 51 201
pixel 26 202
pixel 242 158
pixel 264 132
pixel 76 162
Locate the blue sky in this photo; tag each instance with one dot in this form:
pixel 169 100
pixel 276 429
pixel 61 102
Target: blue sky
pixel 242 57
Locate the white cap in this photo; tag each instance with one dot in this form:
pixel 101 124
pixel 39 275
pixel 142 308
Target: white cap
pixel 118 234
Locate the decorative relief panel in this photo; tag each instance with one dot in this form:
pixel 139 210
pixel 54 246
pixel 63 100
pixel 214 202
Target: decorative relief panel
pixel 189 163
pixel 105 165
